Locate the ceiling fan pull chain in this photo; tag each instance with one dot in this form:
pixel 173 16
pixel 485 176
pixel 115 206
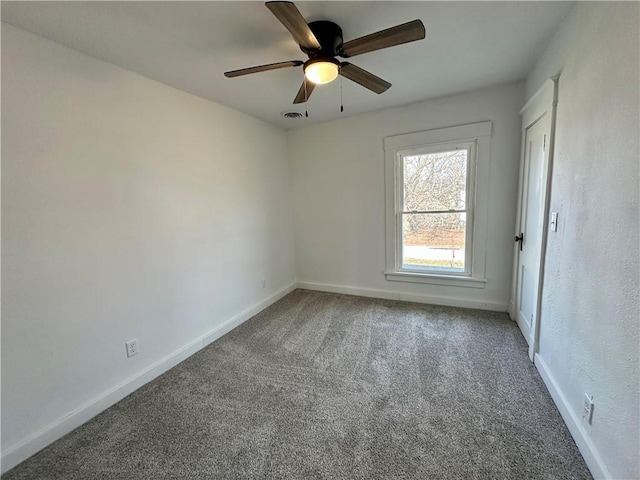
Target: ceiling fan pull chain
pixel 341 102
pixel 306 98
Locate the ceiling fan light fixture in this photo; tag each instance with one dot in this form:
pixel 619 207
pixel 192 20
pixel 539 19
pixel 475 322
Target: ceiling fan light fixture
pixel 322 41
pixel 322 70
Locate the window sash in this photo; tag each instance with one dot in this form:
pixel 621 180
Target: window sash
pixel 469 197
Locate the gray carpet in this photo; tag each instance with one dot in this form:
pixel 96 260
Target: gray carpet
pixel 334 386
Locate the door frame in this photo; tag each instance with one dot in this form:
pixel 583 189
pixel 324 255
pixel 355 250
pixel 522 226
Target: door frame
pixel 543 102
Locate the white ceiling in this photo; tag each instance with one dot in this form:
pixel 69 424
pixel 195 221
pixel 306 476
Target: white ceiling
pixel 189 45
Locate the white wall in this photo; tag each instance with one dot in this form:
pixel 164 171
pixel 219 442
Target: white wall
pixel 589 326
pixel 130 210
pixel 338 172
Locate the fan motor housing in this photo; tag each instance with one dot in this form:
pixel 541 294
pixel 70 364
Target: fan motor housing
pixel 329 35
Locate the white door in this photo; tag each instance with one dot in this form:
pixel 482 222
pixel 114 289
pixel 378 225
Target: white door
pixel 532 216
pixel 529 236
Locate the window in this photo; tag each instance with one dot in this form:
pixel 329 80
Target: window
pixel 435 209
pixel 431 177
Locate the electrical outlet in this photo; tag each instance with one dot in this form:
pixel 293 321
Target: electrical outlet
pixel 264 283
pixel 132 347
pixel 587 408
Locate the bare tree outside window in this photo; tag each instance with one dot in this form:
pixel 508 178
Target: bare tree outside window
pixel 434 211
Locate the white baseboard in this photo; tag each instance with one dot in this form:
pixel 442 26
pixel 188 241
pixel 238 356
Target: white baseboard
pixel 407 297
pixel 588 450
pixel 19 452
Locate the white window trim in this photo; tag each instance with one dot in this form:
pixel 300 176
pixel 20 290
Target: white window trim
pixel 478 134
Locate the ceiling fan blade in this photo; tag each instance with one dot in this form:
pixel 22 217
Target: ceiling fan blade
pixel 364 78
pixel 292 19
pixel 405 33
pixel 300 97
pixel 262 68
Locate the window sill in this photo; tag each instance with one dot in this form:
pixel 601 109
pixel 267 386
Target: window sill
pixel 435 279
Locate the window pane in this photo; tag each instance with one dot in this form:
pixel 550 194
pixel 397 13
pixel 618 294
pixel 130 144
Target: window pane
pixel 435 181
pixel 433 241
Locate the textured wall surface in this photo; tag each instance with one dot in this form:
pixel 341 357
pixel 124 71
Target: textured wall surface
pixel 589 326
pixel 338 172
pixel 129 210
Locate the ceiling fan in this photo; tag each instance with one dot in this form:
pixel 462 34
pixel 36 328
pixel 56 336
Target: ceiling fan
pixel 322 42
